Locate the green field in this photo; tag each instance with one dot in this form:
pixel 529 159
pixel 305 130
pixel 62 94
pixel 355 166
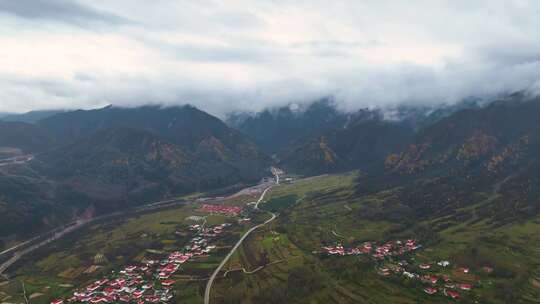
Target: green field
pixel 89 253
pixel 324 210
pixel 282 262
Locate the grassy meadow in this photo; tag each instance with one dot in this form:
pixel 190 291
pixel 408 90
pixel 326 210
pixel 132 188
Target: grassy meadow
pixel 282 262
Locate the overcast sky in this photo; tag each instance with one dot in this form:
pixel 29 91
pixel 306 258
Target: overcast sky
pixel 245 54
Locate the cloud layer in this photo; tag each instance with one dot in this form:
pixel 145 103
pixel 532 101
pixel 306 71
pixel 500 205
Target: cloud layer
pixel 247 55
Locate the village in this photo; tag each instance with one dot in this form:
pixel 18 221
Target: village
pixel 377 252
pixel 221 209
pixel 150 281
pixel 391 261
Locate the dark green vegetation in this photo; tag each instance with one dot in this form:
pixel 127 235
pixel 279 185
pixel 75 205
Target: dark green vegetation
pixel 94 251
pixel 319 139
pixel 23 137
pixel 29 117
pixel 475 165
pixel 463 182
pixel 467 187
pixel 282 262
pixel 275 130
pixel 280 203
pixel 330 211
pixel 97 161
pixel 483 158
pixel 362 144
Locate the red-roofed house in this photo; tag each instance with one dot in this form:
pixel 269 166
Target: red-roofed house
pixel 152 299
pixel 131 268
pixel 137 294
pixel 233 210
pixel 424 266
pixel 92 287
pixel 99 300
pixel 167 283
pixel 453 294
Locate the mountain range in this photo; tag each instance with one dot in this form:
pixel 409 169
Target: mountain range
pixel 319 138
pixel 110 158
pixel 19 137
pixel 29 117
pixel 488 154
pixel 439 159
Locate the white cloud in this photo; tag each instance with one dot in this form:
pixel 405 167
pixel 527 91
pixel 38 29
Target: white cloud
pixel 230 55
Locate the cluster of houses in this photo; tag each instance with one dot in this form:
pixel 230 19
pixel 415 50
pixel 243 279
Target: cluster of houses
pixel 149 282
pixel 436 284
pixel 133 284
pixel 203 233
pixel 221 209
pixel 425 272
pixel 379 252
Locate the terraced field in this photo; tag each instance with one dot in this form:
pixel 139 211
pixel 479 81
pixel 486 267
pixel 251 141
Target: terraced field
pixel 284 261
pixel 325 210
pixel 81 257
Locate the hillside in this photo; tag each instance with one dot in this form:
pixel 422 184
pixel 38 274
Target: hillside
pixel 19 137
pixel 362 144
pixel 128 166
pixel 311 157
pixel 30 202
pixel 468 196
pixel 317 138
pixel 29 117
pixel 112 158
pixel 118 166
pixel 212 153
pixel 185 126
pixel 476 164
pixel 277 129
pixel 295 258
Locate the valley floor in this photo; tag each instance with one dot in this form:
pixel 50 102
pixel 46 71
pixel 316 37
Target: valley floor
pixel 286 260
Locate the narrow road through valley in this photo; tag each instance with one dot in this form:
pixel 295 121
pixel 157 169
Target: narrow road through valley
pixel 24 248
pixel 55 236
pixel 57 233
pixel 17 160
pixel 226 259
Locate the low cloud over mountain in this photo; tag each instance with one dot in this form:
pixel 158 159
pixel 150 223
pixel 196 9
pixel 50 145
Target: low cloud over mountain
pixel 226 56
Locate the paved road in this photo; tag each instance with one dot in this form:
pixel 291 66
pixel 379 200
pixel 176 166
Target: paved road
pixel 58 233
pixel 16 160
pixel 218 269
pixel 55 236
pixel 18 246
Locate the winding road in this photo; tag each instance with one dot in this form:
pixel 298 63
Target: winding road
pixel 17 160
pixel 18 251
pixel 59 233
pixel 226 259
pixel 39 241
